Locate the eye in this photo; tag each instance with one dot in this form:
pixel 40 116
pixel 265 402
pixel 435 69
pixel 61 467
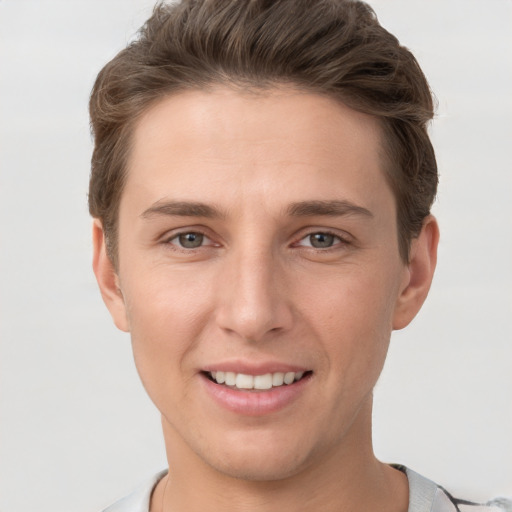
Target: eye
pixel 189 240
pixel 320 240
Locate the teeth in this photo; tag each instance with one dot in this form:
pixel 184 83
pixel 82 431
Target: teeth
pixel 263 381
pixel 277 379
pixel 289 377
pixel 267 381
pixel 244 381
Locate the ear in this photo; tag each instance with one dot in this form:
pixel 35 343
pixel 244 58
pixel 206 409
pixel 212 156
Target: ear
pixel 419 274
pixel 107 278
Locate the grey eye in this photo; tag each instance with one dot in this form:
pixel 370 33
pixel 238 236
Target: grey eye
pixel 321 240
pixel 191 240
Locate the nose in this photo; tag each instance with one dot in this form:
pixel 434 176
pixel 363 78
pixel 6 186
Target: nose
pixel 253 302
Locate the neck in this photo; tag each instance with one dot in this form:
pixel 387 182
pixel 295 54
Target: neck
pixel 349 478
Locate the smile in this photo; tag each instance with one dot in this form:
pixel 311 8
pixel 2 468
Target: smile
pixel 259 391
pixel 258 382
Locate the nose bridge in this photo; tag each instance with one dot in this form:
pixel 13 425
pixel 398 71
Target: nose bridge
pixel 253 303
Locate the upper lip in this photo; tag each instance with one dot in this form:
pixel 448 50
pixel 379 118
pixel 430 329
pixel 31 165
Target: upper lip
pixel 253 368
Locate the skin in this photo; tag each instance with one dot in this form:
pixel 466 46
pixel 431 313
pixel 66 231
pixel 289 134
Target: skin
pixel 257 290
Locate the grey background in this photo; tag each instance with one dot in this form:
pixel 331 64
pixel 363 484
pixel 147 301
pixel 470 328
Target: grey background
pixel 76 429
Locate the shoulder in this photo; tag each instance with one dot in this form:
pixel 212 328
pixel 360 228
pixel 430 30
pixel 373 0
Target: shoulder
pixel 138 500
pixel 427 496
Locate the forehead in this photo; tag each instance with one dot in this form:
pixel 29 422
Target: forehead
pixel 226 144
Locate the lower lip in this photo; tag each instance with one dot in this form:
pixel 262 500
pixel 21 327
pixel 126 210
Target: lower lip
pixel 255 403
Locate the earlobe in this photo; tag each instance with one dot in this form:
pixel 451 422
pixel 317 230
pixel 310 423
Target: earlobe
pixel 420 272
pixel 107 278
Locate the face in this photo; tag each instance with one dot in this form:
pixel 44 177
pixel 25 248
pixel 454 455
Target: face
pixel 259 276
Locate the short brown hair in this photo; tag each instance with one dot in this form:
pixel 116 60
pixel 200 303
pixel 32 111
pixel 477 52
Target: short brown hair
pixel 333 47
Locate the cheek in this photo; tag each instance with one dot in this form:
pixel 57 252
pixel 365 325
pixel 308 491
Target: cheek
pixel 358 299
pixel 166 301
pixel 166 314
pixel 352 317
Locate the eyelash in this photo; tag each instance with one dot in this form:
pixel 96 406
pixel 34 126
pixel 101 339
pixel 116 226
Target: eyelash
pixel 338 241
pixel 176 236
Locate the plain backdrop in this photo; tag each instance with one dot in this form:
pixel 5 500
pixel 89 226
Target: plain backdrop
pixel 76 428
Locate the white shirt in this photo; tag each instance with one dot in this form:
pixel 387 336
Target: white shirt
pixel 424 496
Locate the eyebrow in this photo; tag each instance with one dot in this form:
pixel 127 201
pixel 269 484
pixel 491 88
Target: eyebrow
pixel 182 209
pixel 332 208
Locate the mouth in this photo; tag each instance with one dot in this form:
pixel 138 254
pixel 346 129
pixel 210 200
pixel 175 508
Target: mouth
pixel 265 382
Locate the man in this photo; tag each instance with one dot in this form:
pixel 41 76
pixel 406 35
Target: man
pixel 261 187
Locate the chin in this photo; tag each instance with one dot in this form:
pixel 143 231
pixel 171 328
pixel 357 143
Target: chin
pixel 279 468
pixel 261 460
